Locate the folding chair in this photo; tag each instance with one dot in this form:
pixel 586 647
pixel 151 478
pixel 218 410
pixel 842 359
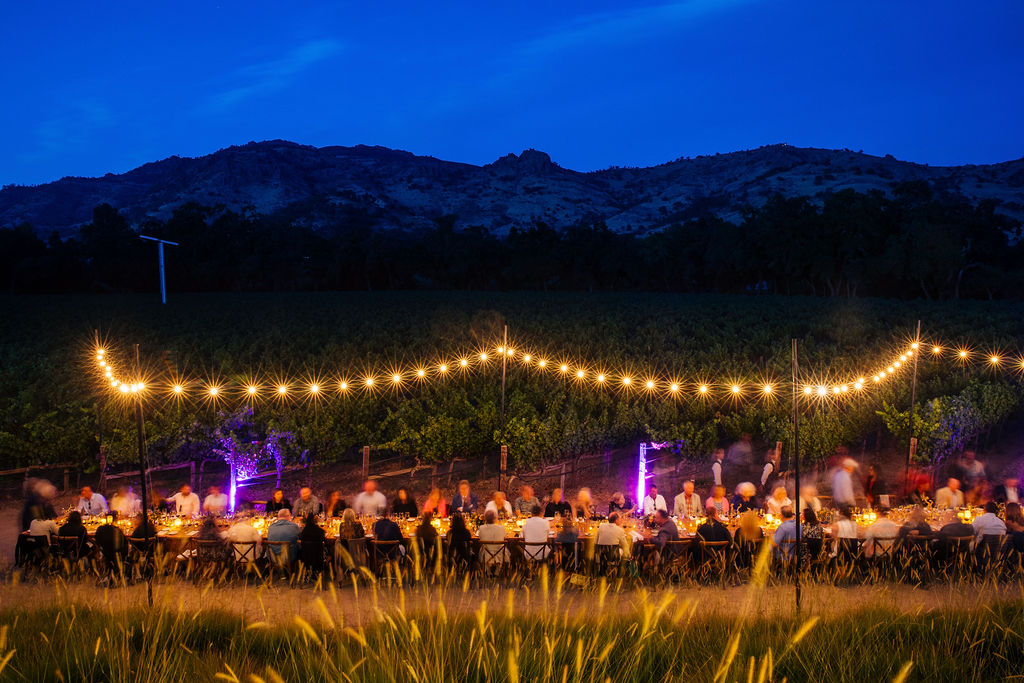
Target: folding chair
pixel 913 558
pixel 312 557
pixel 73 552
pixel 387 559
pixel 988 551
pixel 608 559
pixel 245 555
pixel 536 555
pixel 493 558
pixel 882 561
pixel 278 555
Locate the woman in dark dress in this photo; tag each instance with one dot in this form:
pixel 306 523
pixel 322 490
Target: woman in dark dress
pixel 336 505
pixel 404 504
pixel 278 502
pixel 460 542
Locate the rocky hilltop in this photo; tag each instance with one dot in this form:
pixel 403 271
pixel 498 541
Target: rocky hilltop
pixel 395 189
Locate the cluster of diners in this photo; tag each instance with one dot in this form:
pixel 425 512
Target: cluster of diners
pixel 710 538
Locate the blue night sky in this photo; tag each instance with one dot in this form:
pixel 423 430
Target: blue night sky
pixel 103 86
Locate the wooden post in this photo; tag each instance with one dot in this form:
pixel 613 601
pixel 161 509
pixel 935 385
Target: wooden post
pixel 202 468
pixel 451 468
pixel 433 477
pixel 67 483
pixel 366 463
pixel 561 481
pixel 503 465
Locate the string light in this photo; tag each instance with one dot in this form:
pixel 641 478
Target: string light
pixel 543 363
pixel 936 349
pixel 463 362
pixel 564 368
pixel 526 358
pixel 579 374
pixel 626 380
pixel 703 388
pixel 282 389
pixel 483 356
pixel 314 389
pixel 649 384
pixel 673 387
pixel 994 360
pixel 251 390
pixel 600 378
pixel 369 381
pixel 396 378
pixel 421 372
pixel 178 389
pixel 767 388
pixel 735 388
pixel 213 391
pixel 343 386
pixel 443 368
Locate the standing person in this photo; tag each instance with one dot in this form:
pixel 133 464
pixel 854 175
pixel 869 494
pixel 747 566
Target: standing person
pixel 741 452
pixel 436 504
pixel 687 503
pixel 526 501
pixel 186 503
pixel 306 504
pixel 654 501
pixel 39 495
pixel 499 506
pixel 278 502
pixel 335 504
pixel 125 503
pixel 716 466
pixel 404 504
pixel 950 495
pixel 215 503
pixel 842 484
pixel 771 466
pixel 90 503
pixel 873 487
pixel 973 469
pixel 465 501
pixel 557 507
pixel 370 502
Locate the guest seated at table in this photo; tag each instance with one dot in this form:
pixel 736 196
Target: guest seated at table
pixel 44 527
pixel 242 531
pixel 215 503
pixel 953 527
pixel 460 542
pixel 744 498
pixel 499 506
pixel 436 504
pixel 491 532
pixel 809 499
pixel 873 487
pixel 186 503
pixel 584 507
pixel 314 542
pixel 843 527
pixel 284 530
pixel 335 504
pixel 622 504
pixel 718 502
pixel 141 532
pixel 112 543
pixel 1015 525
pixel 567 531
pixel 465 501
pixel 208 531
pixel 350 527
pixel 611 533
pixel 426 534
pixel 813 535
pixel 1010 491
pixel 306 504
pixel 557 507
pixel 90 503
pixel 74 527
pixel 370 502
pixel 784 539
pixel 988 523
pixel 385 529
pixel 535 534
pixel 915 526
pixel 404 504
pixel 666 531
pixel 687 503
pixel 524 504
pixel 654 500
pixel 713 530
pixel 158 503
pixel 749 530
pixel 880 535
pixel 278 502
pixel 922 493
pixel 950 496
pixel 125 503
pixel 778 500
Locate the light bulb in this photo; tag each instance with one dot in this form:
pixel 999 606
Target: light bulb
pixel 914 345
pixel 369 381
pixel 822 391
pixel 463 362
pixel 767 388
pixel 674 387
pixel 526 358
pixel 251 390
pixel 314 388
pixel 600 378
pixel 579 374
pixel 282 389
pixel 443 368
pixel 649 384
pixel 808 391
pixel 396 378
pixel 124 388
pixel 178 388
pixel 483 356
pixel 510 353
pixel 859 385
pixel 703 388
pixel 963 354
pixel 995 360
pixel 213 391
pixel 626 380
pixel 735 388
pixel 936 349
pixel 343 386
pixel 543 363
pixel 421 372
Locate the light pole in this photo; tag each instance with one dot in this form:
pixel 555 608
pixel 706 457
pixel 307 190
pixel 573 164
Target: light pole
pixel 160 255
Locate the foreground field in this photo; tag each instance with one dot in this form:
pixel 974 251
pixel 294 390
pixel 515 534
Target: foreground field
pixel 79 632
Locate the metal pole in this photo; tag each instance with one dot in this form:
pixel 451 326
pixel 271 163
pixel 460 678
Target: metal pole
pixel 99 429
pixel 913 405
pixel 504 356
pixel 163 282
pixel 141 430
pixel 796 472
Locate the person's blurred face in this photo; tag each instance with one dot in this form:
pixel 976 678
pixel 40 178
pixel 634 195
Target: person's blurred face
pixel 527 492
pixel 719 491
pixel 953 485
pixel 720 454
pixel 1012 483
pixel 305 493
pixel 278 496
pixel 499 498
pixel 370 486
pixel 86 492
pixel 186 490
pixel 652 491
pixel 969 456
pixel 214 490
pixel 688 488
pixel 556 496
pixel 463 490
pixel 403 495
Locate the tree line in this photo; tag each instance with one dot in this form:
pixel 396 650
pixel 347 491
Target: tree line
pixel 912 244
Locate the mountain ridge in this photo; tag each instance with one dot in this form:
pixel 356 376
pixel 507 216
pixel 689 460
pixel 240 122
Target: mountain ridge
pixel 321 186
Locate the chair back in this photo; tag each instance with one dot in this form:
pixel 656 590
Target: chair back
pixel 384 551
pixel 244 551
pixel 312 554
pixel 492 552
pixel 278 552
pixel 70 546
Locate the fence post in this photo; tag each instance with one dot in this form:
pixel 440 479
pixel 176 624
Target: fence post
pixel 202 468
pixel 561 480
pixel 451 466
pixel 192 474
pixel 67 482
pixel 366 463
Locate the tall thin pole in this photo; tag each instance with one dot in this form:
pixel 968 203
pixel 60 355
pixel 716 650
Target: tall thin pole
pixel 911 446
pixel 504 357
pixel 99 429
pixel 796 472
pixel 163 282
pixel 141 430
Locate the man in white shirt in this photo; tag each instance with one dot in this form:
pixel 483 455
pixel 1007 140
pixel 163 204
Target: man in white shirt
pixel 90 503
pixel 186 503
pixel 716 465
pixel 492 532
pixel 611 533
pixel 654 501
pixel 243 531
pixel 880 536
pixel 535 535
pixel 842 484
pixel 370 501
pixel 988 524
pixel 687 503
pixel 215 503
pixel 499 506
pixel 950 495
pixel 44 527
pixel 126 503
